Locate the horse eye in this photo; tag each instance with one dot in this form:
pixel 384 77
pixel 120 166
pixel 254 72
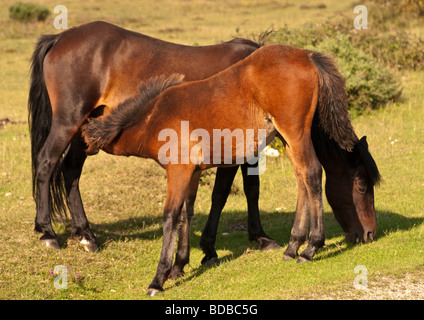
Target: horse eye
pixel 362 189
pixel 360 186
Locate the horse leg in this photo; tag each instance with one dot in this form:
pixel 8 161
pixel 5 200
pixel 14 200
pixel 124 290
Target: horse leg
pixel 254 225
pixel 309 174
pixel 178 180
pixel 182 256
pixel 72 168
pixel 223 181
pixel 54 146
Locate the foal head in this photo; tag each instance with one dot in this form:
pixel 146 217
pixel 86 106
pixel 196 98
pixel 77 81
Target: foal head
pixel 350 192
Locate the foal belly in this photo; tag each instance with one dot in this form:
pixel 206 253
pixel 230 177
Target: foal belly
pixel 210 147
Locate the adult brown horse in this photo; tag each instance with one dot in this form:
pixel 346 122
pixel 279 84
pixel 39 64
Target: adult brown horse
pixel 88 70
pixel 300 92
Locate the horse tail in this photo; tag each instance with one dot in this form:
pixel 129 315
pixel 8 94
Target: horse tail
pixel 40 121
pixel 334 117
pixel 101 131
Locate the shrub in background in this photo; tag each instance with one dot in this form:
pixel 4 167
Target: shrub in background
pixel 397 49
pixel 369 84
pixel 25 12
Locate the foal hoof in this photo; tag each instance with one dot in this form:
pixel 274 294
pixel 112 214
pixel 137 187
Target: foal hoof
pixel 303 260
pixel 51 243
pixel 89 246
pixel 286 257
pixel 289 254
pixel 151 292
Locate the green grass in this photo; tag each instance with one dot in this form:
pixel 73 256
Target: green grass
pixel 124 197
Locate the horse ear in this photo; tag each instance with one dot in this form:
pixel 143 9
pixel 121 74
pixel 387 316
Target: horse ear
pixel 355 156
pixel 363 141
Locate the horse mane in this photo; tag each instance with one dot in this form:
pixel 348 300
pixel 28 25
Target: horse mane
pixel 103 130
pixel 323 144
pixel 362 148
pixel 260 42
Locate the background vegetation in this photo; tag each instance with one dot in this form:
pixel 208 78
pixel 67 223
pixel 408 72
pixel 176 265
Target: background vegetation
pixel 124 197
pixel 25 12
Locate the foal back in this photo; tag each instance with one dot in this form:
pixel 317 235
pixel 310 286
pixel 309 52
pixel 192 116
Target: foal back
pixel 275 84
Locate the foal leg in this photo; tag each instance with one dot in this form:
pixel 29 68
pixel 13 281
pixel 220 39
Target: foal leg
pixel 299 230
pixel 309 174
pixel 178 179
pixel 223 181
pixel 254 225
pixel 182 256
pixel 73 163
pixel 317 230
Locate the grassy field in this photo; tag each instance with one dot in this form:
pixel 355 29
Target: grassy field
pixel 124 197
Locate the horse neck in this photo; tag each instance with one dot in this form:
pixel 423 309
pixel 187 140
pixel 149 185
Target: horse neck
pixel 332 164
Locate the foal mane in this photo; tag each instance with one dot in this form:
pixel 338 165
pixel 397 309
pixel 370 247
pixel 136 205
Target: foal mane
pixel 103 130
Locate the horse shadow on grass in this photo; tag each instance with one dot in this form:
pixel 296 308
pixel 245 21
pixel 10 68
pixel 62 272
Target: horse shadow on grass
pixel 134 228
pixel 232 233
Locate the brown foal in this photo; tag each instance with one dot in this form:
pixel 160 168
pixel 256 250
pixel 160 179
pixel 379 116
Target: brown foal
pixel 300 92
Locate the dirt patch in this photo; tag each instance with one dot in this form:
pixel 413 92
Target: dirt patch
pixel 238 227
pixel 6 121
pixel 171 30
pixel 317 6
pixel 408 287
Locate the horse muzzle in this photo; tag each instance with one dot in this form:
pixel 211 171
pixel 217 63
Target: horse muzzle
pixel 360 237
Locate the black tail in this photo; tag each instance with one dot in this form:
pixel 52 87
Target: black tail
pixel 101 131
pixel 332 102
pixel 40 120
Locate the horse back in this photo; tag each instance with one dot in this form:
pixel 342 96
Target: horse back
pixel 105 64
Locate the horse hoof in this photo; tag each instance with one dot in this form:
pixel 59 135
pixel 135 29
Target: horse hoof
pixel 153 292
pixel 51 243
pixel 215 261
pixel 89 246
pixel 265 244
pixel 270 246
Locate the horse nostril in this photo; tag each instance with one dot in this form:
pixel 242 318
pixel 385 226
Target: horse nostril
pixel 370 236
